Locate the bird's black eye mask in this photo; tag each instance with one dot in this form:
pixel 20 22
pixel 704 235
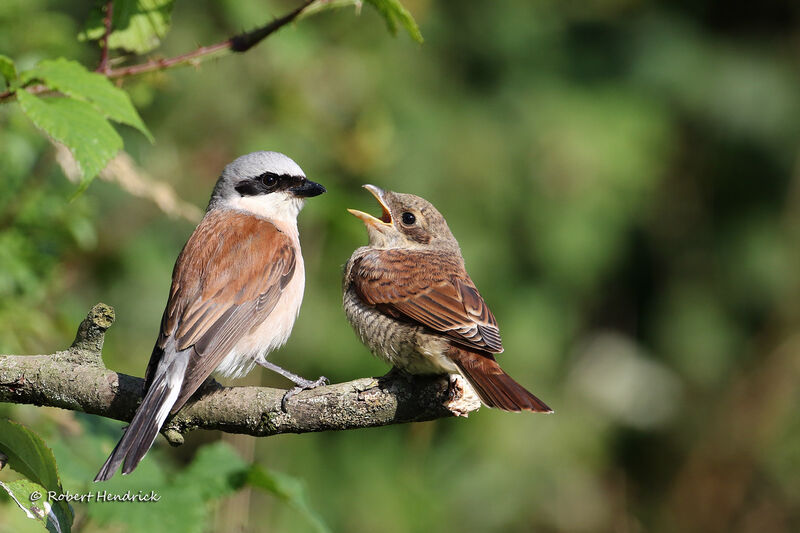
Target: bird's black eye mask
pixel 268 182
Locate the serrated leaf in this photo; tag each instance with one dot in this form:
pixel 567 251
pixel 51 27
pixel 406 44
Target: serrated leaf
pixel 137 25
pixel 393 12
pixel 7 69
pixel 29 455
pixel 77 125
pixel 72 79
pixel 288 489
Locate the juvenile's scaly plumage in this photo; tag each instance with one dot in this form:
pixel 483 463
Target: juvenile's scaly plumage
pixel 236 291
pixel 410 300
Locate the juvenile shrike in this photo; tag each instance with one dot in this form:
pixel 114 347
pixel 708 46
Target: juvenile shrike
pixel 410 300
pixel 236 290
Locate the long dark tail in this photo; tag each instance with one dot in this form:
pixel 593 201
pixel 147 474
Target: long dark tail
pixel 143 429
pixel 494 387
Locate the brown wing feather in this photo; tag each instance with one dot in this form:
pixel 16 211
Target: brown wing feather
pixel 432 289
pixel 226 282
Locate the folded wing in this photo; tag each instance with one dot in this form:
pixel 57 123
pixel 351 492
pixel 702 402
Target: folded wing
pixel 210 310
pixel 431 289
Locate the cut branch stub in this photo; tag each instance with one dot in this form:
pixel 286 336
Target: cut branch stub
pixel 92 330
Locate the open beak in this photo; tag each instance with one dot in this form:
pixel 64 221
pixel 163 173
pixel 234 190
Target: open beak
pixel 369 220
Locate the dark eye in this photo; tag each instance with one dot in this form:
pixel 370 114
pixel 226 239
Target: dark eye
pixel 269 181
pixel 408 218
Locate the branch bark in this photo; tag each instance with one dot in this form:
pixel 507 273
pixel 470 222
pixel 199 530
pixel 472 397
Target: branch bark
pixel 76 379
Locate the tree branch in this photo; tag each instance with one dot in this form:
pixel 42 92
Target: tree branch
pixel 237 43
pixel 76 379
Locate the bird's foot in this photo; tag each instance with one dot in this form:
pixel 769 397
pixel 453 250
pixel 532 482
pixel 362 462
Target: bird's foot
pixel 303 384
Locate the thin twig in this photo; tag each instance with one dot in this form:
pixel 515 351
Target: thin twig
pixel 247 40
pixel 33 89
pixel 237 43
pixel 103 66
pixel 163 64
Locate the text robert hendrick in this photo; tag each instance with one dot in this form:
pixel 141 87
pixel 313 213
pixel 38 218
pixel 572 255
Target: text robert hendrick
pixel 104 496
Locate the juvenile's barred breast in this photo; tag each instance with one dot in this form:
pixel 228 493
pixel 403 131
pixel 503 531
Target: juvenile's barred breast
pixel 407 346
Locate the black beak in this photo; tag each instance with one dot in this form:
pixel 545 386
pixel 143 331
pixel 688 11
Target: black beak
pixel 308 189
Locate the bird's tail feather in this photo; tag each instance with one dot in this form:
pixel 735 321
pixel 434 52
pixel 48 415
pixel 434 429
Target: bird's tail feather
pixel 143 429
pixel 494 387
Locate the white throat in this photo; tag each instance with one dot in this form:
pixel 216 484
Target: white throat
pixel 281 208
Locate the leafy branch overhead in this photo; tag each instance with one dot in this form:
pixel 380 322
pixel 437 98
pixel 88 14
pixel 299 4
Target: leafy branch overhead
pixel 79 120
pixel 81 105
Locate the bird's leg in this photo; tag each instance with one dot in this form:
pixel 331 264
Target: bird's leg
pixel 302 383
pixel 297 380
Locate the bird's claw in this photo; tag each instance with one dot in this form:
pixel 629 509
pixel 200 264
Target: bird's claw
pixel 301 386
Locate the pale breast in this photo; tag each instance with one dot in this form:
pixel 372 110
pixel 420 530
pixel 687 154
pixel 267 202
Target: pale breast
pixel 274 331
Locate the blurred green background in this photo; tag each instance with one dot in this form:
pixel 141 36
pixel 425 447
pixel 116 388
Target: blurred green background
pixel 623 178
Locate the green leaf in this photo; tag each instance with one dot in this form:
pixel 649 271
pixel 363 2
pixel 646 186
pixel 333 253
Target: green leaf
pixel 72 79
pixel 32 499
pixel 7 69
pixel 394 13
pixel 216 470
pixel 29 455
pixel 288 489
pixel 28 497
pixel 137 25
pixel 79 126
pixel 321 7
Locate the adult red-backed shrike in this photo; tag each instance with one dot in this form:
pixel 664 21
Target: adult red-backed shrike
pixel 236 291
pixel 410 300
